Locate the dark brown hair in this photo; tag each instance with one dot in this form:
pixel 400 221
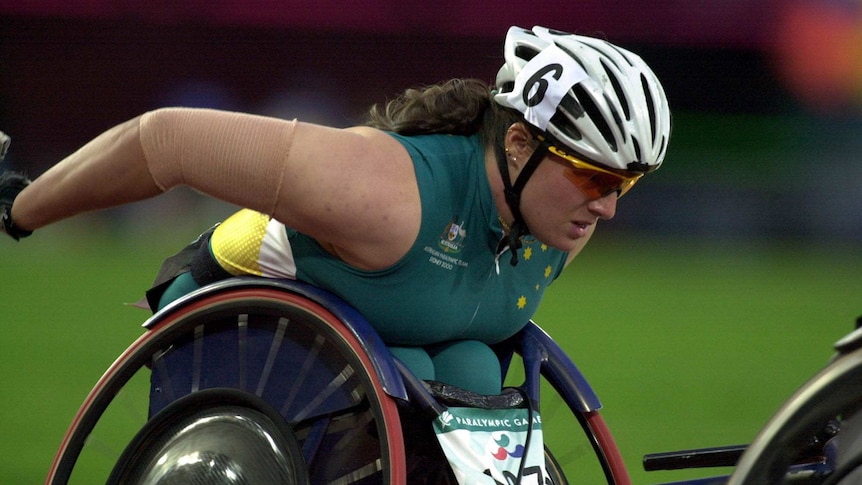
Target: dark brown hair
pixel 455 107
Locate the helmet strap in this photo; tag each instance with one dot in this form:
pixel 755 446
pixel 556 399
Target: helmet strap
pixel 512 193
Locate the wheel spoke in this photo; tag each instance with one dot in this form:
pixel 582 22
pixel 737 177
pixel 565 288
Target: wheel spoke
pixel 333 386
pixel 357 475
pixel 273 353
pixel 242 349
pixel 304 372
pixel 164 376
pixel 197 358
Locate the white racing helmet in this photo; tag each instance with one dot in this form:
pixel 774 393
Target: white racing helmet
pixel 598 100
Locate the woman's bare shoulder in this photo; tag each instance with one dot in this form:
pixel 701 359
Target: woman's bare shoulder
pixel 356 192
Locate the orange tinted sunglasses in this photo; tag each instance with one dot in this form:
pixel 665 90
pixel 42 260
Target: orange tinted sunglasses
pixel 593 181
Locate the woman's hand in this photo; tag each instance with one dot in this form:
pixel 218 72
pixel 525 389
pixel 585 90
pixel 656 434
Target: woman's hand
pixel 11 184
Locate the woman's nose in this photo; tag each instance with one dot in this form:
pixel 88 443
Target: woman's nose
pixel 604 207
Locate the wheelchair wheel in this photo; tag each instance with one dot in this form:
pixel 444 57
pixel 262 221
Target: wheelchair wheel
pixel 262 342
pixel 579 447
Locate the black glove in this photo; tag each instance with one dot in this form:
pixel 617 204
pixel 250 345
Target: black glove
pixel 11 184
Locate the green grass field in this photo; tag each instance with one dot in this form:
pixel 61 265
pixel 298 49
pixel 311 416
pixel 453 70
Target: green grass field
pixel 688 344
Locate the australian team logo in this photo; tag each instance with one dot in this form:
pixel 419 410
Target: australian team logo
pixel 452 239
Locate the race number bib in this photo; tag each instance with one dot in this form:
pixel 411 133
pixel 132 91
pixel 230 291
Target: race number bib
pixel 489 446
pixel 542 83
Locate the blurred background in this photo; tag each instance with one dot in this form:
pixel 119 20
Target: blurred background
pixel 760 193
pixel 766 95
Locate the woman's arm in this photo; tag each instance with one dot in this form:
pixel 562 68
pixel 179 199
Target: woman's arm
pixel 354 190
pixel 108 171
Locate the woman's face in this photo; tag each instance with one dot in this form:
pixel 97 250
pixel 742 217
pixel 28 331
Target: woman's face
pixel 556 211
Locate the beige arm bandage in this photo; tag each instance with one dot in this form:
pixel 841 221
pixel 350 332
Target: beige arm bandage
pixel 235 157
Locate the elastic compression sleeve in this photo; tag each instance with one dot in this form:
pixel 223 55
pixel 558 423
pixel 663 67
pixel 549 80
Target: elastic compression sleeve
pixel 235 157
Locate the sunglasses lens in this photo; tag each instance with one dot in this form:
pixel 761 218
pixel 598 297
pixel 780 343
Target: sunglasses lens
pixel 596 185
pixel 593 182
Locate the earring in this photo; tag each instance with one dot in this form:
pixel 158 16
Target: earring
pixel 514 159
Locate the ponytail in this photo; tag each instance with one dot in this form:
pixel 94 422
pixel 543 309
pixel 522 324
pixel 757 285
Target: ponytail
pixel 455 107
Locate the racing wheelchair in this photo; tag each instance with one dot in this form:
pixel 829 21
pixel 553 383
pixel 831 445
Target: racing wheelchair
pixel 254 380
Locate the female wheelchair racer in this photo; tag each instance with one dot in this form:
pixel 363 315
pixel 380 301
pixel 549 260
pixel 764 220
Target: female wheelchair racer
pixel 418 206
pixel 442 184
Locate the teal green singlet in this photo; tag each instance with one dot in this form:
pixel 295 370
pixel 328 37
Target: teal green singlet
pixel 451 285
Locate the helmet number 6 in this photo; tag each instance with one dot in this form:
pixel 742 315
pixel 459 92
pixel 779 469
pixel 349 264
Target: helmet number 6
pixel 537 86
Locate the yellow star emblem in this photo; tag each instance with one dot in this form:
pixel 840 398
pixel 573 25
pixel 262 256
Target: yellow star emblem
pixel 544 247
pixel 528 253
pixel 522 302
pixel 548 272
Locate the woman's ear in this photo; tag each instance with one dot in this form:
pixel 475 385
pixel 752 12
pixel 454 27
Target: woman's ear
pixel 519 145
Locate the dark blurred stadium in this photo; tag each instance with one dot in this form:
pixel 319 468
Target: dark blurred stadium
pixel 766 95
